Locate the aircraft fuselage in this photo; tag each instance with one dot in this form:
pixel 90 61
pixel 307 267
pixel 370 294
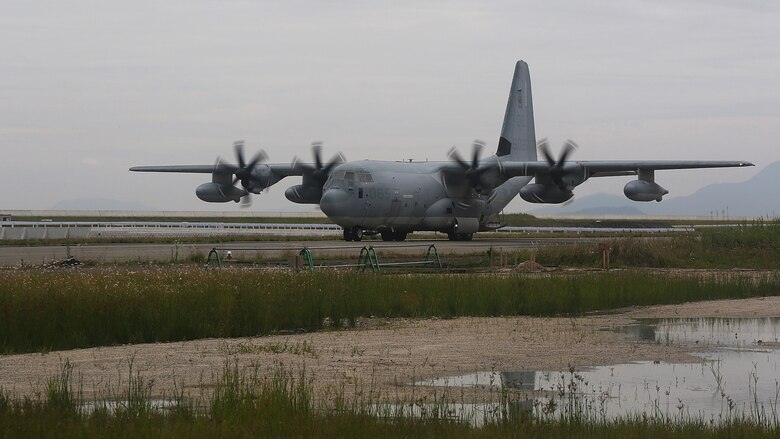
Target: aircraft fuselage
pixel 406 196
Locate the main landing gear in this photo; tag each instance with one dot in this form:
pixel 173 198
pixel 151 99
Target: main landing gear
pixel 353 234
pixel 390 235
pixel 460 236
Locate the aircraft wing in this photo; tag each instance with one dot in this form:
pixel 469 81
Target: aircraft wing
pixel 610 168
pixel 281 170
pixel 191 169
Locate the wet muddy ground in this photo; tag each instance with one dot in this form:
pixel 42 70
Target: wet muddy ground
pixel 621 353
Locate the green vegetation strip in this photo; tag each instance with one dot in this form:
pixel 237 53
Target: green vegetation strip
pixel 280 403
pixel 748 245
pixel 52 310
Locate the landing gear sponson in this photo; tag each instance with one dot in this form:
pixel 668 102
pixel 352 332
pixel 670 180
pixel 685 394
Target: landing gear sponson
pixel 356 234
pixel 393 235
pixel 460 236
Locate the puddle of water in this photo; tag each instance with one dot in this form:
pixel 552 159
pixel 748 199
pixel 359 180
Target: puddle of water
pixel 737 377
pixel 708 332
pixel 519 380
pixel 475 414
pixel 113 406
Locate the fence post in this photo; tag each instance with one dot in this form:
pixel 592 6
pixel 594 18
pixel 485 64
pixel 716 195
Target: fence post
pixel 604 256
pixel 307 257
pixel 216 257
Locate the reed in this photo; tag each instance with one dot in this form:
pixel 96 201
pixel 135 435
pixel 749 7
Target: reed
pixel 279 403
pixel 63 309
pixel 753 244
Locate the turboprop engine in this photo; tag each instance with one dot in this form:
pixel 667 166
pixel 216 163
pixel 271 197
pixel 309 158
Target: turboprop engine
pixel 304 194
pixel 543 193
pixel 219 193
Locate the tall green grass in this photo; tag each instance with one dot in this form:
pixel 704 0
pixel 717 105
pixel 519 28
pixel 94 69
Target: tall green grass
pixel 71 309
pixel 753 244
pixel 281 404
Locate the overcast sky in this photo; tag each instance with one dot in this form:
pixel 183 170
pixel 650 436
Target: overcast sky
pixel 90 88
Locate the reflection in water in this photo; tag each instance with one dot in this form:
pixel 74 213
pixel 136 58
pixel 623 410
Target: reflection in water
pixel 114 406
pixel 709 332
pixel 736 377
pixel 522 380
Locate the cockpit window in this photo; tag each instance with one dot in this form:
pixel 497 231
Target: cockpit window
pixel 338 175
pixel 365 177
pixel 349 176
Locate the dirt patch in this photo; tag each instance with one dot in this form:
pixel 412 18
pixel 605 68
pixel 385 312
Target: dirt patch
pixel 531 266
pixel 756 307
pixel 382 354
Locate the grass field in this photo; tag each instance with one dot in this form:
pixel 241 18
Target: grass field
pixel 748 245
pixel 280 404
pixel 43 310
pixel 64 309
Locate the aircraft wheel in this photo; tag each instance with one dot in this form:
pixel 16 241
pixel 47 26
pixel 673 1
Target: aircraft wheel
pixel 399 236
pixel 348 236
pixel 467 236
pixel 357 234
pixel 387 236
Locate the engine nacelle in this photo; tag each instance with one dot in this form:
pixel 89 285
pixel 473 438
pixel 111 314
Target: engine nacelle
pixel 303 194
pixel 643 190
pixel 465 225
pixel 219 193
pixel 540 193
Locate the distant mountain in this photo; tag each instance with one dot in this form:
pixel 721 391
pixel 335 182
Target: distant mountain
pixel 758 196
pixel 596 204
pixel 610 210
pixel 99 204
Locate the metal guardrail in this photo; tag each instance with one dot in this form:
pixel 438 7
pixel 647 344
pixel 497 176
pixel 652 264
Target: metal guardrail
pixel 169 225
pixel 367 257
pixel 335 227
pixel 22 230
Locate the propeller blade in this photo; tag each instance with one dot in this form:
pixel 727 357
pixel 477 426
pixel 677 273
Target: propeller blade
pixel 261 156
pixel 568 147
pixel 476 152
pixel 453 155
pixel 298 163
pixel 544 147
pixel 219 164
pixel 316 150
pixel 336 160
pixel 318 171
pixel 238 147
pixel 244 171
pixel 246 201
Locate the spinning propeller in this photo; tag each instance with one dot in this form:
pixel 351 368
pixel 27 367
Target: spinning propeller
pixel 243 172
pixel 473 172
pixel 319 171
pixel 557 170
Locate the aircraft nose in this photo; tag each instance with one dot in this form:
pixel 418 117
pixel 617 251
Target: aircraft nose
pixel 332 201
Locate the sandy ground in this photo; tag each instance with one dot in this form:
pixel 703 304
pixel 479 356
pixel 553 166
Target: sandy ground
pixel 384 355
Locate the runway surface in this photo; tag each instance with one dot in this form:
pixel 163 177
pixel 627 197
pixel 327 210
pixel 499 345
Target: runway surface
pixel 15 256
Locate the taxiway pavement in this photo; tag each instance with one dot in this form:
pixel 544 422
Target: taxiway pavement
pixel 122 253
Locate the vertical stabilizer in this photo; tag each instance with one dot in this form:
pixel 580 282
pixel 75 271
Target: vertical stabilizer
pixel 518 139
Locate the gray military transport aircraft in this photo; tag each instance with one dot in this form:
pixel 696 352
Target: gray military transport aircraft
pixel 457 197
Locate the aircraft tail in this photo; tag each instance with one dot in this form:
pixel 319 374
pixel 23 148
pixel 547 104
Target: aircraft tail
pixel 518 138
